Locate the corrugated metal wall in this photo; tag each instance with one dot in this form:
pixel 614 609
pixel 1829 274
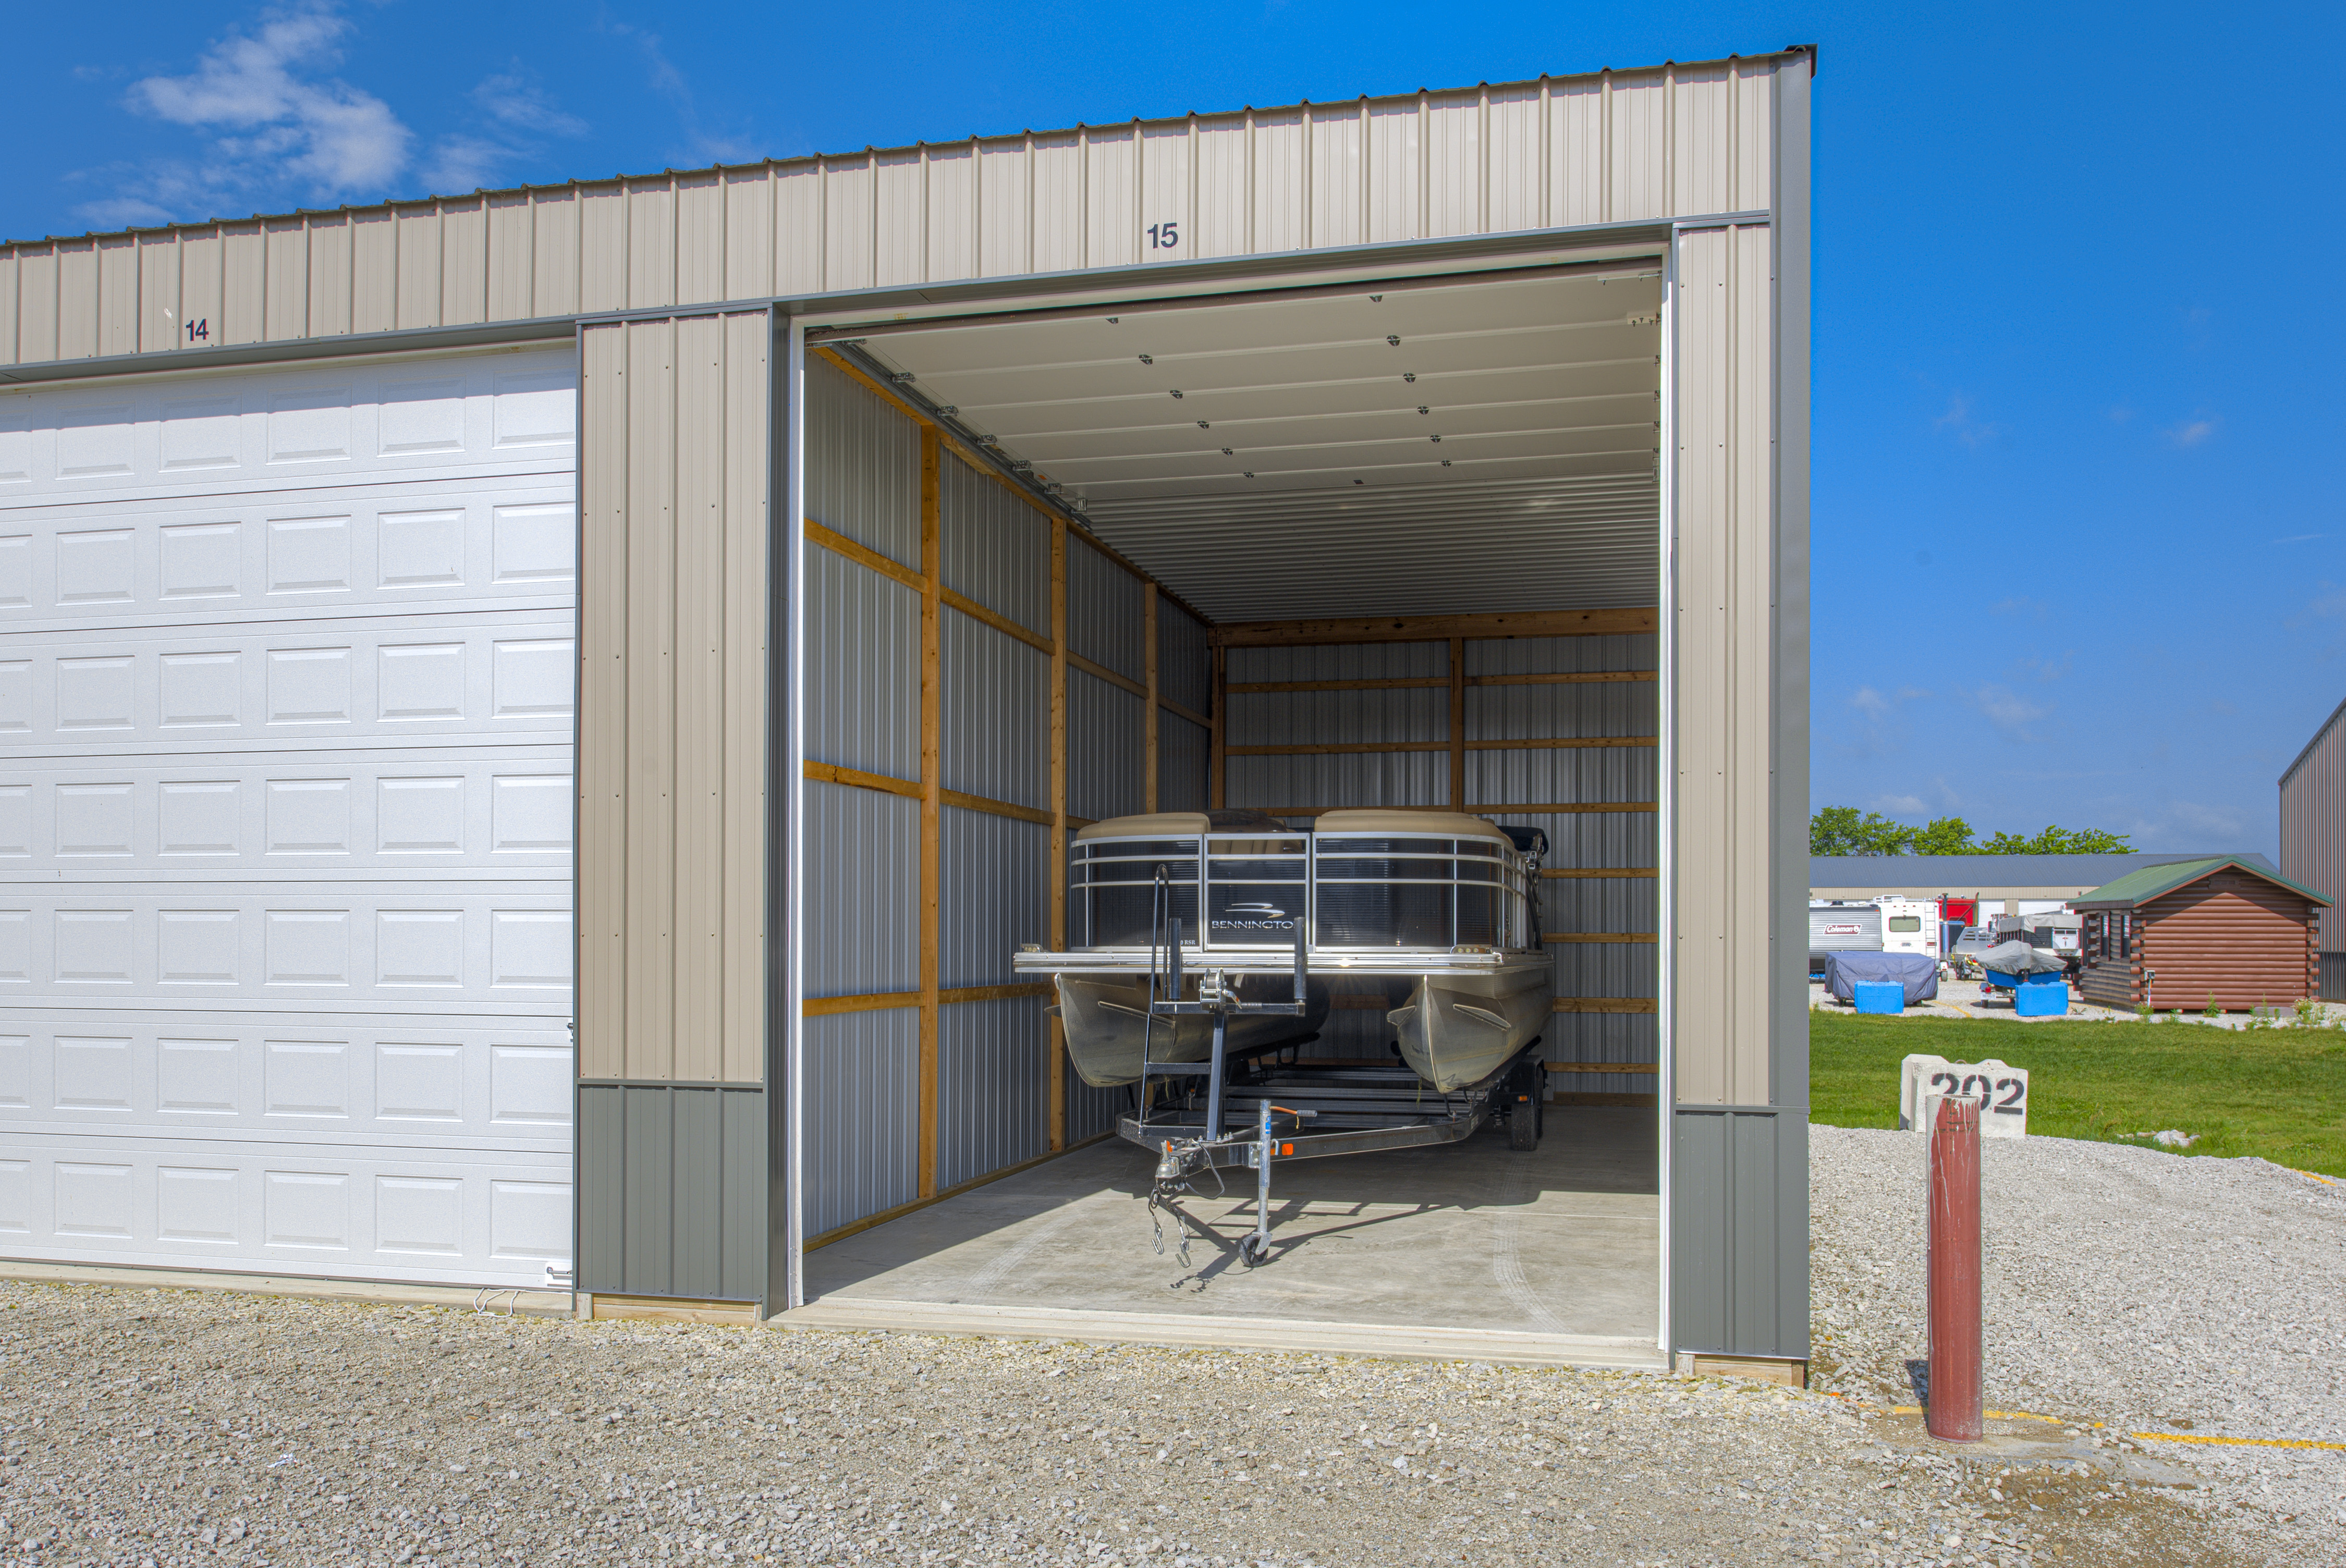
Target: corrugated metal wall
pixel 672 654
pixel 947 1057
pixel 1510 695
pixel 1104 747
pixel 1679 141
pixel 2314 830
pixel 672 1190
pixel 1727 854
pixel 1739 774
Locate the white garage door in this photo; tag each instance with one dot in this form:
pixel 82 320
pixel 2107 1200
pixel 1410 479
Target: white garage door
pixel 285 756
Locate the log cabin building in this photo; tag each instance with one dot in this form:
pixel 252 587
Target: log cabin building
pixel 2225 930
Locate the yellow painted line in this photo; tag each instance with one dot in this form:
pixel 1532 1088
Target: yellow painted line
pixel 2150 1438
pixel 1993 1415
pixel 2237 1442
pixel 2325 1181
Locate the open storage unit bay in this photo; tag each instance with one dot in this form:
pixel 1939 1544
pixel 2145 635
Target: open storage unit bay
pixel 983 677
pixel 900 557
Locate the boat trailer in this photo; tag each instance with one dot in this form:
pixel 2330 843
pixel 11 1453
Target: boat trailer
pixel 1359 1109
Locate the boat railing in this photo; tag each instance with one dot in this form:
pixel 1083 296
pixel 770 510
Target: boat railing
pixel 1356 893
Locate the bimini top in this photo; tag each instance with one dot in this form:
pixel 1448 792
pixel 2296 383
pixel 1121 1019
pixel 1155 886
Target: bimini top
pixel 1390 824
pixel 1181 824
pixel 1383 824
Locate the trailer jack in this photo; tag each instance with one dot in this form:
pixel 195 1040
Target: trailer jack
pixel 1180 1159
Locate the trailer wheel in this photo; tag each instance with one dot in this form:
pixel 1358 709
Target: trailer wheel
pixel 1523 1098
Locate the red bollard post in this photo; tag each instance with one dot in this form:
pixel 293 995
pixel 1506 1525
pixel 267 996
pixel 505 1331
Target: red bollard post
pixel 1953 1273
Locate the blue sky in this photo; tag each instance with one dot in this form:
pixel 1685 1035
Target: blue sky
pixel 2079 521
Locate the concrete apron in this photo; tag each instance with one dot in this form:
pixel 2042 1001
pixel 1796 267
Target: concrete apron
pixel 1471 1252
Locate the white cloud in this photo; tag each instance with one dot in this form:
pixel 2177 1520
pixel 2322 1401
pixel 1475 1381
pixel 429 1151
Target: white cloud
pixel 1901 805
pixel 2190 825
pixel 273 116
pixel 513 100
pixel 2009 711
pixel 2299 538
pixel 2022 607
pixel 1957 422
pixel 2190 433
pixel 1874 705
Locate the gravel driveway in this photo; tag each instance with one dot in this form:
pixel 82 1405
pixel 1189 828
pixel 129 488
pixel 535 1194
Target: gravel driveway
pixel 2147 1290
pixel 174 1426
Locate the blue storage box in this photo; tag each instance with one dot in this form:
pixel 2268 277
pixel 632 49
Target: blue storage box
pixel 2009 982
pixel 1879 996
pixel 2041 999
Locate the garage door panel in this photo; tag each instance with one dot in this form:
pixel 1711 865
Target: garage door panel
pixel 317 1208
pixel 483 811
pixel 496 412
pixel 286 752
pixel 202 689
pixel 455 947
pixel 392 549
pixel 456 1083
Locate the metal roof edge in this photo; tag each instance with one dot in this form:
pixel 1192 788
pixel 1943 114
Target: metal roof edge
pixel 2325 727
pixel 1538 248
pixel 281 351
pixel 388 203
pixel 2206 868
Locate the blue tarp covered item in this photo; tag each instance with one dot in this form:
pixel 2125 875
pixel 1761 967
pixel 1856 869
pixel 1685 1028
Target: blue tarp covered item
pixel 1917 972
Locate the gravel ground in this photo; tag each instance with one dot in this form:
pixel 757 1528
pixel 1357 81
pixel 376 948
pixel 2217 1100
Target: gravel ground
pixel 160 1428
pixel 2147 1290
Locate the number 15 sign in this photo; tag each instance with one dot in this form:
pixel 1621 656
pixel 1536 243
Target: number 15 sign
pixel 2002 1092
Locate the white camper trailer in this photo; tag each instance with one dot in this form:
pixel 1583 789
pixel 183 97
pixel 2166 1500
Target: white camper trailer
pixel 1838 927
pixel 1909 925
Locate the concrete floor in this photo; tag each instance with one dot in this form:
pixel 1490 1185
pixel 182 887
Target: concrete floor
pixel 1560 1241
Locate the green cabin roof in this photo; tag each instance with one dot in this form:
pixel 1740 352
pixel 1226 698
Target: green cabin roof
pixel 2139 888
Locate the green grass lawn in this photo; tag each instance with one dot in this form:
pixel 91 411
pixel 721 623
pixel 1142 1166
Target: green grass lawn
pixel 2277 1093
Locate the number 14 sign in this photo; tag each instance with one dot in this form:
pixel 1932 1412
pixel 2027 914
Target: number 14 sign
pixel 2002 1092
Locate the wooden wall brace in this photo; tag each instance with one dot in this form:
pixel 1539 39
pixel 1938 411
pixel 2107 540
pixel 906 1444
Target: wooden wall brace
pixel 1054 875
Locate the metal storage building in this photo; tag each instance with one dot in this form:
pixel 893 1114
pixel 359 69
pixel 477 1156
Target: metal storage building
pixel 2313 837
pixel 898 550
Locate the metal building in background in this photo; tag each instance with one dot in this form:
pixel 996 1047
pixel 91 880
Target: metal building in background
pixel 2314 839
pixel 855 651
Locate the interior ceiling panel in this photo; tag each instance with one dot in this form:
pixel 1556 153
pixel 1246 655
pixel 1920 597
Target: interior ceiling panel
pixel 1433 450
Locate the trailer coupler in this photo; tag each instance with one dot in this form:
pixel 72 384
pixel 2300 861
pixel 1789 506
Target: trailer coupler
pixel 1179 1161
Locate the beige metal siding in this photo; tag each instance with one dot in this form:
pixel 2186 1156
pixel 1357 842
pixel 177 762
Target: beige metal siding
pixel 1680 140
pixel 2313 824
pixel 672 682
pixel 1726 644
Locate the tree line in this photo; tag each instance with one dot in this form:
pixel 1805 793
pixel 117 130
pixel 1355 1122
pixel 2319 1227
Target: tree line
pixel 1846 831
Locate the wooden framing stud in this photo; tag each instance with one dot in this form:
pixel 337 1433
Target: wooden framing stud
pixel 1054 875
pixel 931 801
